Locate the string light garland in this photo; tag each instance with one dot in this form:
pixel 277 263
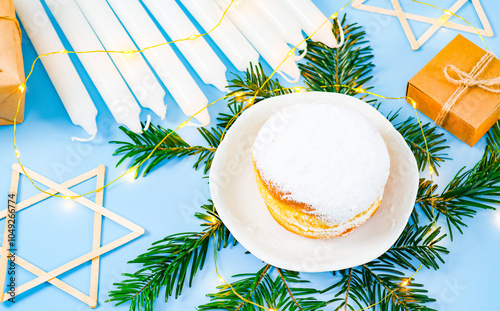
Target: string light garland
pixel 251 101
pixel 22 89
pixel 448 12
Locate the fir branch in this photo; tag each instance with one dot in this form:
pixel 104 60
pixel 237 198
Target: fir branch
pixel 251 85
pixel 417 243
pixel 493 138
pixel 388 282
pixel 248 90
pixel 341 69
pixel 380 286
pixel 468 191
pixel 171 263
pixel 255 84
pixel 280 293
pixel 412 133
pixel 369 284
pixel 172 147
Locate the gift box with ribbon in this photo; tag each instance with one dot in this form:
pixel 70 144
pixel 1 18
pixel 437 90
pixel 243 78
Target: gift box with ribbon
pixel 459 89
pixel 11 66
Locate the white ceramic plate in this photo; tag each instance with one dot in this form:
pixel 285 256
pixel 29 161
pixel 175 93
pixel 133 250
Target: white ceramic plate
pixel 240 206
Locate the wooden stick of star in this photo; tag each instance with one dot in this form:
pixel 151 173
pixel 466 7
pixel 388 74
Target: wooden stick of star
pixel 96 239
pixel 483 18
pixel 406 26
pixel 440 22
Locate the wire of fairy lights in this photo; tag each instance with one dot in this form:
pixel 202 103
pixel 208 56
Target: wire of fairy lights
pixel 448 12
pixel 22 89
pixel 251 101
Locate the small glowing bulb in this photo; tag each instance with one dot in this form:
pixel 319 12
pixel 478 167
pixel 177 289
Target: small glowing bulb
pixel 334 15
pixel 66 198
pixel 193 37
pixel 497 218
pixel 130 170
pixel 213 220
pixel 62 51
pixel 22 87
pixel 431 171
pixel 297 88
pixel 18 154
pixel 292 51
pixel 271 309
pixel 360 90
pixel 405 283
pixel 251 101
pixel 221 279
pixel 432 229
pixel 413 103
pixel 183 124
pixel 445 17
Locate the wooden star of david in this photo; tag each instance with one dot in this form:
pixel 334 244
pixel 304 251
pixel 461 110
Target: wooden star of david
pixel 436 23
pixel 97 249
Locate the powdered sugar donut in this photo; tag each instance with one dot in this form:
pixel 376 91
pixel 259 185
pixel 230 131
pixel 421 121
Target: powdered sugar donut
pixel 321 168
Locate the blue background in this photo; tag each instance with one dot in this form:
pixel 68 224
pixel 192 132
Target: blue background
pixel 57 231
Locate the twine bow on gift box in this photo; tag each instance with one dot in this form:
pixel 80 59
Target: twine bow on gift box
pixel 466 80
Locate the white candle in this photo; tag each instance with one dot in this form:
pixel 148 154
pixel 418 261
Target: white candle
pixel 197 52
pixel 99 66
pixel 162 58
pixel 283 21
pixel 59 67
pixel 261 35
pixel 227 37
pixel 311 19
pixel 133 67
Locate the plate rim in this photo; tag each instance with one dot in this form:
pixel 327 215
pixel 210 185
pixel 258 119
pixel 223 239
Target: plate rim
pixel 260 253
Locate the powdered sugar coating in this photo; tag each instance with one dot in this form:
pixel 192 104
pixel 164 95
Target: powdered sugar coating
pixel 326 156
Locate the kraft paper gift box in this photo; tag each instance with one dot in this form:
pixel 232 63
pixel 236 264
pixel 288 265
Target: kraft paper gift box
pixel 459 89
pixel 11 65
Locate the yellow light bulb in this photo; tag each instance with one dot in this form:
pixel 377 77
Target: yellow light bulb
pixel 431 171
pixel 497 218
pixel 193 37
pixel 445 17
pixel 183 124
pixel 66 198
pixel 213 220
pixel 62 51
pixel 221 279
pixel 334 15
pixel 128 52
pixel 18 154
pixel 297 88
pixel 405 283
pixel 22 87
pixel 292 51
